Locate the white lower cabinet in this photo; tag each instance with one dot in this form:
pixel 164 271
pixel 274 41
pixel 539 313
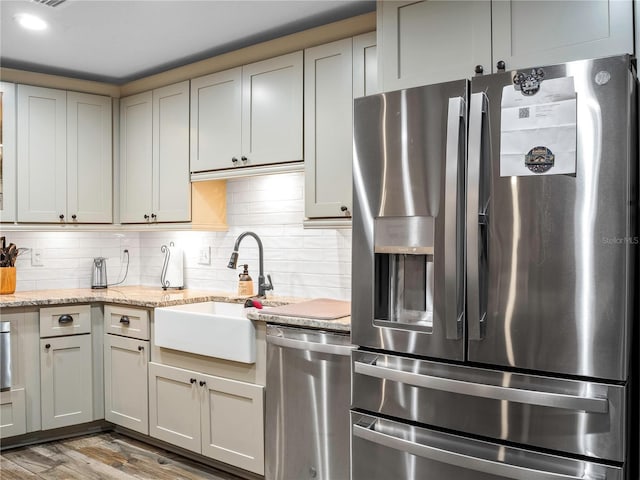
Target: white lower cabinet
pixel 217 417
pixel 66 381
pixel 13 418
pixel 126 399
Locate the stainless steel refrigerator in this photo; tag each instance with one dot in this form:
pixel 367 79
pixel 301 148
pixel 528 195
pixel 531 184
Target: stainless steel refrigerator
pixel 494 277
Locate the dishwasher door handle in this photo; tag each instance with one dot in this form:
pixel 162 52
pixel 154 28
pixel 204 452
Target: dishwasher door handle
pixel 329 348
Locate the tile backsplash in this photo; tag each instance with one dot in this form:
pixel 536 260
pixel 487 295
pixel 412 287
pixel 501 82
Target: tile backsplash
pixel 302 262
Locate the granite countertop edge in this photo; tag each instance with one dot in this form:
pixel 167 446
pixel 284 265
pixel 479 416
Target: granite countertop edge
pixel 152 297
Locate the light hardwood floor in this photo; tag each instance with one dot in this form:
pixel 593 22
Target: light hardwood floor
pixel 103 456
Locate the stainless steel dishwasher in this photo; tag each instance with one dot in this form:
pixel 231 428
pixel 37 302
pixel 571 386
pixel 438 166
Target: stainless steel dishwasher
pixel 307 404
pixel 5 355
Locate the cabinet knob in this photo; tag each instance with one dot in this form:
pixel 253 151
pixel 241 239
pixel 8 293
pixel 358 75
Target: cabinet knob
pixel 343 208
pixel 479 69
pixel 153 216
pixel 202 383
pixel 125 320
pixel 146 217
pixel 47 346
pixel 244 159
pixel 64 319
pixel 234 160
pixel 61 216
pixel 74 216
pixel 140 348
pixel 192 381
pixel 501 66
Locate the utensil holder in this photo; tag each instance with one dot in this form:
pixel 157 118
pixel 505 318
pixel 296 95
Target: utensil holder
pixel 7 280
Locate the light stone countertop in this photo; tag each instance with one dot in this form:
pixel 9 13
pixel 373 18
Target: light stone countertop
pixel 152 297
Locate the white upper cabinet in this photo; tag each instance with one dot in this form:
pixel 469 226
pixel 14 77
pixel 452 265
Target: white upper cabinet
pixel 328 121
pixel 8 152
pixel 365 65
pixel 216 104
pixel 42 154
pixel 532 33
pixel 433 41
pixel 154 156
pixel 171 180
pixel 334 74
pixel 64 156
pixel 248 116
pixel 272 110
pixel 89 158
pixel 136 157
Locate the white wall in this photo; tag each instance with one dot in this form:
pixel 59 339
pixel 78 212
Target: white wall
pixel 302 262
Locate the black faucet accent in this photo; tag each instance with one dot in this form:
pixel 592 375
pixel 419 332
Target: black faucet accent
pixel 233 262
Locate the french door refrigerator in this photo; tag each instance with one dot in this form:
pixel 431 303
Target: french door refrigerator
pixel 494 243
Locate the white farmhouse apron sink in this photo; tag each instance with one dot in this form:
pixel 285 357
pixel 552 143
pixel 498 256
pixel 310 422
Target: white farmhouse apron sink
pixel 213 329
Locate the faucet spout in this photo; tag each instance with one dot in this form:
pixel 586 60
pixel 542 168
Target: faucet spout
pixel 233 262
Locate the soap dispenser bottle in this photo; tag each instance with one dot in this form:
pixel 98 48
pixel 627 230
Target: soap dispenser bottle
pixel 245 284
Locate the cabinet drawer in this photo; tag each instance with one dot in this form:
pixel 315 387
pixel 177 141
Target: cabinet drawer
pixel 67 320
pixel 129 322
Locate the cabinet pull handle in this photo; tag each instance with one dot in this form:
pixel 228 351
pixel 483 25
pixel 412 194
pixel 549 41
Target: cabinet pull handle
pixel 64 319
pixel 47 346
pixel 501 66
pixel 202 383
pixel 192 381
pixel 140 348
pixel 61 216
pixel 74 216
pixel 125 320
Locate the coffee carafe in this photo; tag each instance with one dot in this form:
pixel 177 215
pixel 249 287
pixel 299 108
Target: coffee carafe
pixel 99 273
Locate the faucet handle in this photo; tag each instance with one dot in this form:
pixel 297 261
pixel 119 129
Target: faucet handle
pixel 268 285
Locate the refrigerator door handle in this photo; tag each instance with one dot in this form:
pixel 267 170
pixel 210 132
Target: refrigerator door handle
pixel 477 110
pixel 469 462
pixel 332 349
pixel 456 119
pixel 495 392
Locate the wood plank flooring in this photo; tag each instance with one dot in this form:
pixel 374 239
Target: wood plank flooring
pixel 104 456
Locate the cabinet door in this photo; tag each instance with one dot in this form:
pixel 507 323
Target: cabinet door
pixel 66 379
pixel 216 106
pixel 432 41
pixel 170 170
pixel 328 137
pixel 272 110
pixel 174 406
pixel 7 152
pixel 89 158
pixel 233 423
pixel 365 65
pixel 136 156
pixel 13 417
pixel 126 386
pixel 42 154
pixel 531 33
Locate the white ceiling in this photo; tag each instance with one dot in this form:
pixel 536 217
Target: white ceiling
pixel 121 40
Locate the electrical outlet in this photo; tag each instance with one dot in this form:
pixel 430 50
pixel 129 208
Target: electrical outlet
pixel 205 255
pixel 36 257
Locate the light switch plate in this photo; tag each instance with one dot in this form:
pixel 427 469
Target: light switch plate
pixel 36 257
pixel 205 255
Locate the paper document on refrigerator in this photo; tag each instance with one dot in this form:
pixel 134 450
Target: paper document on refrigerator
pixel 538 132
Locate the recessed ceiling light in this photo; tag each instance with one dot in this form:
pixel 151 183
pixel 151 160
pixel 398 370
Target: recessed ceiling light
pixel 30 22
